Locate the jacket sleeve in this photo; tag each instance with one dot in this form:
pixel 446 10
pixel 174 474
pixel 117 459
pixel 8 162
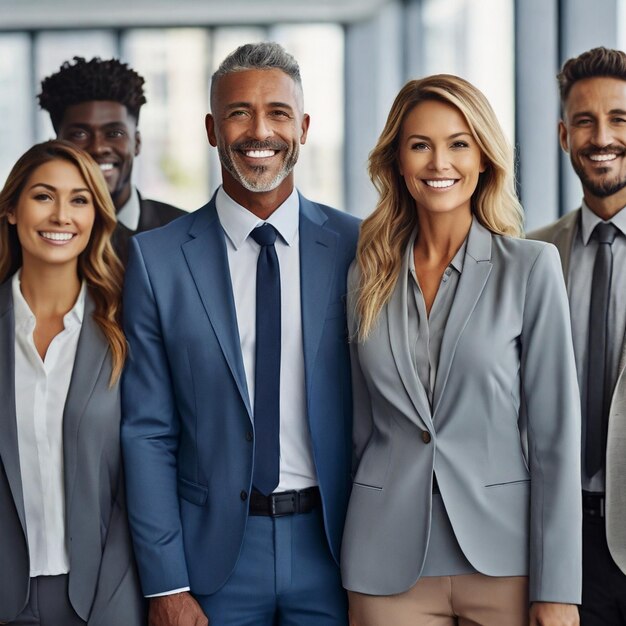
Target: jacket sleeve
pixel 150 429
pixel 551 403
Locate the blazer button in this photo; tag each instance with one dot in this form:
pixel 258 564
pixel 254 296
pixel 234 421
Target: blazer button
pixel 243 495
pixel 426 436
pixel 249 436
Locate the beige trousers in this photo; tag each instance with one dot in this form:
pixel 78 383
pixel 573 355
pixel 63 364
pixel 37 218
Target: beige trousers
pixel 465 600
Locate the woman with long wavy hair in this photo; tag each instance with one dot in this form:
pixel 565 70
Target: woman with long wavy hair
pixel 65 552
pixel 465 507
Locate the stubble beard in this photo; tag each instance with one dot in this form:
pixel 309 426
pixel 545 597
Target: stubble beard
pixel 258 184
pixel 599 188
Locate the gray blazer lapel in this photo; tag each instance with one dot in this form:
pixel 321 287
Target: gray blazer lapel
pixel 90 354
pixel 208 263
pixel 476 270
pixel 9 449
pixel 397 320
pixel 564 239
pixel 317 261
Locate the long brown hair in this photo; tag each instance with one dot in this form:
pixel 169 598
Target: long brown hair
pixel 98 264
pixel 385 233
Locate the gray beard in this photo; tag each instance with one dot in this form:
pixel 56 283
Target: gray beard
pixel 256 185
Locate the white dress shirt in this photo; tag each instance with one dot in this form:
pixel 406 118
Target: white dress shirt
pixel 40 392
pixel 297 470
pixel 129 214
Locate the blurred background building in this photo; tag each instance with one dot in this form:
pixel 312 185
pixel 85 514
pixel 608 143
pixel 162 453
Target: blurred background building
pixel 354 56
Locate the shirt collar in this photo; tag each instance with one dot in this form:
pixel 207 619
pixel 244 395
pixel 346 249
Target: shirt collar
pixel 589 220
pixel 238 222
pixel 129 213
pixel 24 317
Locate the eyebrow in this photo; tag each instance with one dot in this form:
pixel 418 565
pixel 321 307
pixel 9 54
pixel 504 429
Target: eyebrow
pixel 53 188
pixel 453 136
pixel 247 105
pixel 91 125
pixel 590 114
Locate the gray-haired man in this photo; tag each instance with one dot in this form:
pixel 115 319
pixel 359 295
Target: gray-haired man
pixel 237 409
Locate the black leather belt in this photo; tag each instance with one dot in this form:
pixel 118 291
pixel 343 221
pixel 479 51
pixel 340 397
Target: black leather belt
pixel 284 502
pixel 594 504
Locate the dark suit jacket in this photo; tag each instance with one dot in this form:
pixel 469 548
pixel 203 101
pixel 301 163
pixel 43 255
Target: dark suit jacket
pixel 152 215
pixel 103 585
pixel 187 417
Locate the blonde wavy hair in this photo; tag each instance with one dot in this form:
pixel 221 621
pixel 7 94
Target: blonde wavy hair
pixel 98 264
pixel 385 233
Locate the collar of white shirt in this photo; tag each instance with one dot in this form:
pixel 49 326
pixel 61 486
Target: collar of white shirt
pixel 129 213
pixel 238 222
pixel 589 220
pixel 24 317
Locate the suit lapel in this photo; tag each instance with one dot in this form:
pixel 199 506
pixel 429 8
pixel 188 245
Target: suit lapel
pixel 318 249
pixel 9 448
pixel 564 239
pixel 476 270
pixel 207 260
pixel 91 351
pixel 397 322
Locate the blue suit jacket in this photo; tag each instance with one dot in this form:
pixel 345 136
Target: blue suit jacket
pixel 187 418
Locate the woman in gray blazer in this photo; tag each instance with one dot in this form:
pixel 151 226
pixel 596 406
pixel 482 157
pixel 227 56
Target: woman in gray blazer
pixel 466 505
pixel 65 551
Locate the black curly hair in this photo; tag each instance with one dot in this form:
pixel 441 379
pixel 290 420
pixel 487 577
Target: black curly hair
pixel 84 81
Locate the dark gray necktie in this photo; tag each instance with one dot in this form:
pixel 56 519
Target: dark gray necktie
pixel 598 394
pixel 267 363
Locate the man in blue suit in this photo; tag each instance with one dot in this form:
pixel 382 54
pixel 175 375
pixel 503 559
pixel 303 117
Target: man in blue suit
pixel 237 401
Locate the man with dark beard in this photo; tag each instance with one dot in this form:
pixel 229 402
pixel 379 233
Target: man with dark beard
pixel 237 398
pixel 592 244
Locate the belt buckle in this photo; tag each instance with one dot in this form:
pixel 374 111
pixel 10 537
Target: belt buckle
pixel 287 497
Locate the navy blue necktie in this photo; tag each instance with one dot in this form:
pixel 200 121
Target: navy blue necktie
pixel 598 394
pixel 267 363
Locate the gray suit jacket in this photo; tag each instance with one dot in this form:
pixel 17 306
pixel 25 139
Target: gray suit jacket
pixel 103 584
pixel 561 234
pixel 503 436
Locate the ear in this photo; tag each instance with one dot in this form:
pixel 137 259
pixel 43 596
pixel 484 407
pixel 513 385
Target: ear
pixel 563 137
pixel 304 127
pixel 483 164
pixel 137 143
pixel 11 217
pixel 209 124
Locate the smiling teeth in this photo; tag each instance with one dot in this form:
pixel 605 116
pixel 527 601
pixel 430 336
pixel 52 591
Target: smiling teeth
pixel 260 154
pixel 440 184
pixel 602 157
pixel 57 236
pixel 105 167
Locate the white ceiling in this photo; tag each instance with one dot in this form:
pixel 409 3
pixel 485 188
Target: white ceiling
pixel 55 14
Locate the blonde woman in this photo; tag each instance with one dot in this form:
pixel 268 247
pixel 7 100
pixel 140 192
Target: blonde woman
pixel 65 552
pixel 466 506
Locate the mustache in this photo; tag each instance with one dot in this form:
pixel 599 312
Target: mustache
pixel 270 144
pixel 619 150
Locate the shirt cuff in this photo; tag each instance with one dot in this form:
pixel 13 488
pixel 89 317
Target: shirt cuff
pixel 168 593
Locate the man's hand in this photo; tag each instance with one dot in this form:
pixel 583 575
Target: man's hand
pixel 553 614
pixel 177 609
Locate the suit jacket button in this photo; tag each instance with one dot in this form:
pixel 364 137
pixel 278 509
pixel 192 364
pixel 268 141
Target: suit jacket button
pixel 243 495
pixel 426 436
pixel 249 436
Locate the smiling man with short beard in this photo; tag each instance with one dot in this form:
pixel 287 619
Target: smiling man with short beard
pixel 237 399
pixel 592 243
